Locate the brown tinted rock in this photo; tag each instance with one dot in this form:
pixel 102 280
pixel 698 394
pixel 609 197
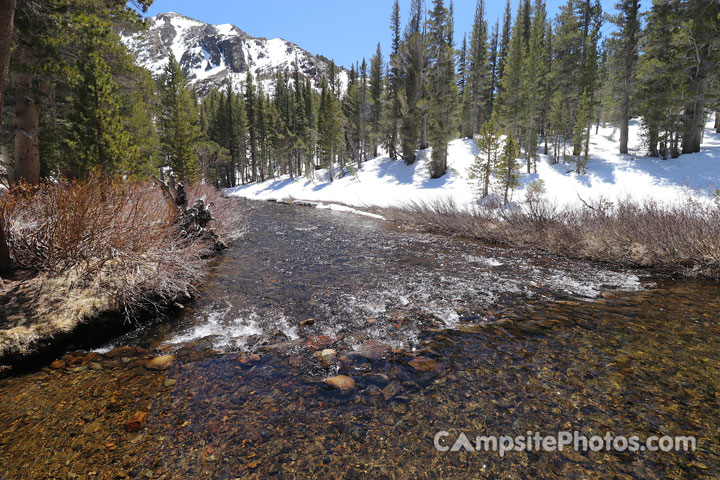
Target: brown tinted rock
pixel 307 322
pixel 342 383
pixel 57 364
pixel 249 359
pixel 373 350
pixel 136 422
pixel 423 364
pixel 318 342
pixel 160 363
pixel 125 351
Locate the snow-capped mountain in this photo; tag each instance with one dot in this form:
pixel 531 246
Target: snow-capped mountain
pixel 209 54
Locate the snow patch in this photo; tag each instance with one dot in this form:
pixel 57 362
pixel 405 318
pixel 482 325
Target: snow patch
pixel 383 182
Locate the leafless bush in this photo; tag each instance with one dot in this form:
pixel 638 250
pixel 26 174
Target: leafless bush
pixel 680 238
pixel 111 236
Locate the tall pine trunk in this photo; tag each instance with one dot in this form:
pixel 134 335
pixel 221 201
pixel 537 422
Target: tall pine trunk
pixel 394 139
pixel 624 121
pixel 7 14
pixel 694 117
pixel 27 126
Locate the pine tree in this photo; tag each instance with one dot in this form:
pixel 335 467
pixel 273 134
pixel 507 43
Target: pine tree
pixel 625 56
pixel 511 97
pixel 395 80
pixel 533 84
pixel 506 171
pixel 412 68
pixel 97 137
pixel 489 141
pixel 701 62
pixel 351 105
pixel 47 66
pixel 178 121
pixel 462 77
pixel 493 66
pixel 376 96
pixel 504 42
pixel 330 129
pixel 442 87
pixel 476 104
pixel 575 69
pixel 252 116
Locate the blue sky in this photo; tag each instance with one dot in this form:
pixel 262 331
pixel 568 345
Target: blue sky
pixel 344 30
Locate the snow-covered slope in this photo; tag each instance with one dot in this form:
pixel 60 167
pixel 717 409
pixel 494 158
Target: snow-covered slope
pixel 383 182
pixel 209 54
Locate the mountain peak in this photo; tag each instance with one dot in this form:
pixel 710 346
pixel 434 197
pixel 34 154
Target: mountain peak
pixel 210 54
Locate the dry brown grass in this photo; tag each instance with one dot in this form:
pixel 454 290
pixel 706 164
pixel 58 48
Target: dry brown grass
pixel 98 246
pixel 679 238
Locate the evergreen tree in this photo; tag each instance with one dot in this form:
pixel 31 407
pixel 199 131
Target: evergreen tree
pixel 330 131
pixel 533 84
pixel 506 171
pixel 625 56
pixel 365 109
pixel 489 141
pixel 376 96
pixel 575 69
pixel 512 95
pixel 504 42
pixel 252 116
pixel 395 80
pixel 476 104
pixel 462 74
pixel 701 64
pixel 412 68
pixel 178 121
pixel 96 137
pixel 351 109
pixel 442 87
pixel 493 66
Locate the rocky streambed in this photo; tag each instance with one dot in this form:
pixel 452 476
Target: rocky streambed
pixel 328 345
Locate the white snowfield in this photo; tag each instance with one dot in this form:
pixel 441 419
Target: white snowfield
pixel 383 182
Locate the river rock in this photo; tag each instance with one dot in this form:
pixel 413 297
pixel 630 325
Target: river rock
pixel 136 422
pixel 249 359
pixel 125 351
pixel 423 364
pixel 342 382
pixel 59 363
pixel 160 363
pixel 318 342
pixel 373 350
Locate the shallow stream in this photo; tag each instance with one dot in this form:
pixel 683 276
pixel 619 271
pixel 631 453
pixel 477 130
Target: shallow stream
pixel 437 333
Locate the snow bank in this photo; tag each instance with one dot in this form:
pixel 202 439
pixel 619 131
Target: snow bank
pixel 383 182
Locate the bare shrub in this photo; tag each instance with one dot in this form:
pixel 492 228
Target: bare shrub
pixel 109 236
pixel 680 238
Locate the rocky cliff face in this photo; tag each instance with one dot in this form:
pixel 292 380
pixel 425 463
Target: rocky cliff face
pixel 211 53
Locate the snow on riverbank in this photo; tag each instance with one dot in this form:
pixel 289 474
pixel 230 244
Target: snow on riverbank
pixel 383 182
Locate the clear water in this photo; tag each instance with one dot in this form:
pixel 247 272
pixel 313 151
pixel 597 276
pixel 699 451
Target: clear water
pixel 522 342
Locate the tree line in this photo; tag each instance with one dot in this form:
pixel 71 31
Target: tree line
pixel 526 84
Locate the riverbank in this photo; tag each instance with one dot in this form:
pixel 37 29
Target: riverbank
pixel 92 258
pixel 681 239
